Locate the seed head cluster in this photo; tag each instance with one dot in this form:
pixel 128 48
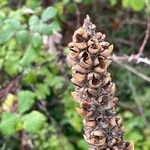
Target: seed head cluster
pixel 94 90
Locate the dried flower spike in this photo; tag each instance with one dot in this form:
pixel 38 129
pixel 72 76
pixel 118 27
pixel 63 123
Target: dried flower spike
pixel 89 57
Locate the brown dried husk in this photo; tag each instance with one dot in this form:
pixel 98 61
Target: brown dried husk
pixel 89 57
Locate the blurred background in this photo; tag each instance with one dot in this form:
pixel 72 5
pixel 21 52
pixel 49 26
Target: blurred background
pixel 37 111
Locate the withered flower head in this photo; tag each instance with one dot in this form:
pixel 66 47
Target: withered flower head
pixel 89 57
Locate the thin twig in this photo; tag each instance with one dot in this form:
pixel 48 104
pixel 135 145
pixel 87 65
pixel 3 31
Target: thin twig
pixel 137 100
pixel 78 15
pixel 136 57
pixel 10 87
pixel 129 107
pixel 134 71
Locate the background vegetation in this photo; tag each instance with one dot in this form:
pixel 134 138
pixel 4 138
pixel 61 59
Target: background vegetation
pixel 36 109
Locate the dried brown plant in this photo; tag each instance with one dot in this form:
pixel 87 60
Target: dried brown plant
pixel 94 89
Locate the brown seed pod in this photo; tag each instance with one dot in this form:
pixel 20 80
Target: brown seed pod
pixel 79 38
pixel 115 148
pixel 119 121
pixel 110 104
pixel 111 88
pixel 83 113
pixel 72 59
pixel 89 123
pixel 131 146
pixel 78 68
pixel 92 74
pixel 73 47
pixel 98 133
pixel 103 37
pixel 101 64
pixel 83 34
pixel 104 44
pixel 113 122
pixel 85 60
pixel 77 97
pixel 106 78
pixel 94 82
pixel 98 35
pixel 112 142
pixel 93 141
pixel 107 51
pixel 75 82
pixel 92 91
pixel 99 60
pixel 79 77
pixel 81 45
pixel 94 46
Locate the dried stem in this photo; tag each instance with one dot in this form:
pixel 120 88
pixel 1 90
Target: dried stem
pixel 94 89
pixel 136 57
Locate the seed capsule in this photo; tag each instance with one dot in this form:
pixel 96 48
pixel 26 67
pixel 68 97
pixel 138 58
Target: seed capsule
pixel 75 82
pixel 96 142
pixel 98 35
pixel 113 122
pixel 72 59
pixel 113 142
pixel 86 62
pixel 92 91
pixel 131 146
pixel 78 68
pixel 98 133
pixel 79 38
pixel 81 32
pixel 94 46
pixel 92 74
pixel 83 113
pixel 107 52
pixel 89 123
pixel 76 96
pixel 73 47
pixel 78 76
pixel 94 82
pixel 115 148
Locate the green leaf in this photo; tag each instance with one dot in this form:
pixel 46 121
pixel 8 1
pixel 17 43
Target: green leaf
pixel 23 37
pixel 42 90
pixel 33 21
pixel 14 23
pixel 25 100
pixel 37 40
pixel 66 2
pixel 125 3
pixel 54 26
pixel 49 13
pixel 9 123
pixel 44 29
pixel 78 1
pixel 113 2
pixel 33 121
pixel 29 56
pixel 5 35
pixel 12 67
pixel 137 5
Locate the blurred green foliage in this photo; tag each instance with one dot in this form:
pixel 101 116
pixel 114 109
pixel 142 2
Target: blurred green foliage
pixel 35 96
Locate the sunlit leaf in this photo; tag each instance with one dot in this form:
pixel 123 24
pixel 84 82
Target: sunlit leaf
pixel 9 123
pixel 25 100
pixel 29 56
pixel 33 121
pixel 49 13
